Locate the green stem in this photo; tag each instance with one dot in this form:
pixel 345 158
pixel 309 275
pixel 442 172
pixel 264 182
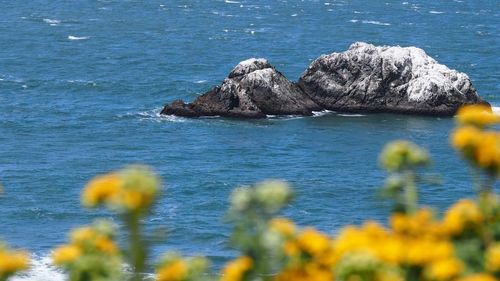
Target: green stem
pixel 137 247
pixel 410 193
pixel 476 180
pixel 488 186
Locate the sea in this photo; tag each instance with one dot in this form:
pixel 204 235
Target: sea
pixel 82 84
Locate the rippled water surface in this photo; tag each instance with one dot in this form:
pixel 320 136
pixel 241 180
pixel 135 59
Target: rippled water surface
pixel 82 82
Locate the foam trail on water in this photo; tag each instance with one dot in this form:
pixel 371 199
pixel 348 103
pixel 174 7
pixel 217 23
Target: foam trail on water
pixel 71 37
pixel 51 21
pixel 41 269
pixel 352 115
pixel 321 113
pixel 376 22
pixel 153 115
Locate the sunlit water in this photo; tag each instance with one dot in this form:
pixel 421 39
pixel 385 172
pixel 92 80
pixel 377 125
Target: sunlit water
pixel 81 85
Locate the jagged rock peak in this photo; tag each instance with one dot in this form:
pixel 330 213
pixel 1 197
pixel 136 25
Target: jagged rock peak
pixel 248 66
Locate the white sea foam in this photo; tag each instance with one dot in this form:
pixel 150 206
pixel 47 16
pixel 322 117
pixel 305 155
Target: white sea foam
pixel 71 37
pixel 200 81
pixel 231 2
pixel 284 117
pixel 153 115
pixel 82 82
pixel 52 21
pixel 321 113
pixel 376 22
pixel 351 115
pixel 41 269
pixel 353 21
pixel 496 110
pixel 328 112
pixel 435 12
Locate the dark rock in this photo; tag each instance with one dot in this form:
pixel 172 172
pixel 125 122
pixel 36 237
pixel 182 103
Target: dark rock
pixel 253 89
pixel 367 78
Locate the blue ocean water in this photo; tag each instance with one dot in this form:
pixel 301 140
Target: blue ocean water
pixel 82 82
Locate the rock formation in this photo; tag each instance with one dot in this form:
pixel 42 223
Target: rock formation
pixel 365 78
pixel 253 89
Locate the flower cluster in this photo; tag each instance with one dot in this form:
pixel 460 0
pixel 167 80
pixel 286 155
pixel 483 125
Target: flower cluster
pixel 237 269
pixel 268 196
pixel 251 210
pixel 309 254
pixel 415 245
pixel 402 159
pixel 132 189
pixel 403 155
pixel 475 141
pixel 91 251
pixel 478 115
pixel 11 262
pixel 173 268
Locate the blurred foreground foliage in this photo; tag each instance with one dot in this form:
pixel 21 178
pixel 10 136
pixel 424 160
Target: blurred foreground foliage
pixel 416 245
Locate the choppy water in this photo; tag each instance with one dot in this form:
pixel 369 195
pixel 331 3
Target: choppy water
pixel 82 82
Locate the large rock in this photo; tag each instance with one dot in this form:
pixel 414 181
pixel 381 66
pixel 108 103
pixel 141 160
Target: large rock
pixel 364 78
pixel 253 89
pixel 367 78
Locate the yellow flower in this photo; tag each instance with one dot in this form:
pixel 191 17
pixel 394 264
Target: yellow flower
pixel 291 248
pixel 420 223
pixel 66 254
pixel 313 242
pixel 465 137
pixel 173 271
pixel 283 226
pixel 388 275
pixel 140 187
pixel 478 277
pixel 106 245
pixel 391 250
pixel 133 200
pixel 132 189
pixel 82 235
pixel 445 269
pixel 478 115
pixel 488 150
pixel 102 189
pixel 308 272
pixel 12 262
pixel 493 258
pixel 480 147
pixel 465 213
pixel 425 250
pixel 236 269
